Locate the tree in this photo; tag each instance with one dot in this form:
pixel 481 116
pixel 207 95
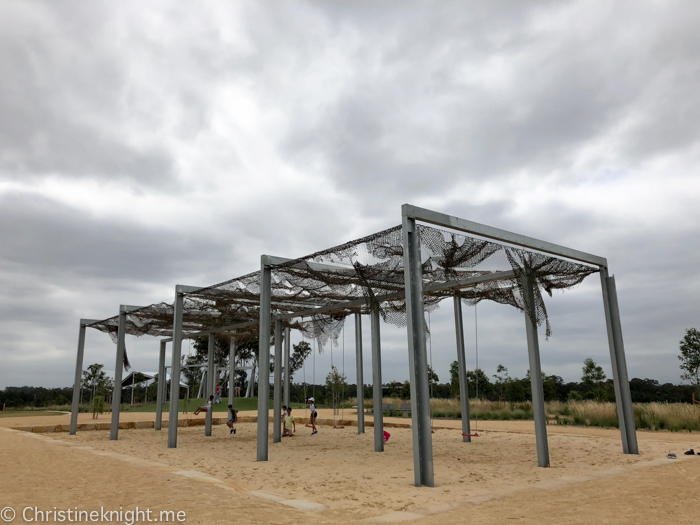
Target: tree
pixel 593 376
pixel 192 373
pixel 478 383
pixel 300 352
pixel 690 358
pixel 432 377
pixel 336 383
pixel 454 380
pixel 502 383
pixel 93 377
pixel 406 390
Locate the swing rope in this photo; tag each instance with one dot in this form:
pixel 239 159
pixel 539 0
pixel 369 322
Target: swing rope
pixel 476 416
pixel 339 426
pixel 430 379
pixel 476 371
pixel 306 406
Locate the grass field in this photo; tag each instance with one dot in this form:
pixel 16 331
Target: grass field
pixel 650 416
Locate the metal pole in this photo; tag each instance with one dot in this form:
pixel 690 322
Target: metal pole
pixel 118 368
pixel 232 371
pixel 160 390
pixel 462 366
pixel 533 348
pixel 210 383
pixel 417 355
pixel 78 380
pixel 175 369
pixel 360 376
pixel 377 381
pixel 264 359
pixel 623 396
pixel 277 415
pixel 287 365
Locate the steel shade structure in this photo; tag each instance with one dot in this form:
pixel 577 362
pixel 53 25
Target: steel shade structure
pixel 320 287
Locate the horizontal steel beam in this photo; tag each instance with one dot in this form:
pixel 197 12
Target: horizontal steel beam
pixel 441 219
pixel 181 288
pixel 87 322
pixel 129 308
pixel 271 260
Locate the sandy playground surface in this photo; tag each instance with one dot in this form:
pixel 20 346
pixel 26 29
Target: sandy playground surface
pixel 337 475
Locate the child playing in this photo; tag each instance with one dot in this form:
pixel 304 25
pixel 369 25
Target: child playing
pixel 232 418
pixel 314 414
pixel 289 424
pixel 206 407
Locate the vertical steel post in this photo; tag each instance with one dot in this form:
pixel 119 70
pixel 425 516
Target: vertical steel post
pixel 264 358
pixel 211 382
pixel 287 365
pixel 533 348
pixel 175 368
pixel 232 372
pixel 360 375
pixel 277 415
pixel 118 368
pixel 462 366
pixel 377 381
pixel 160 390
pixel 623 396
pixel 417 354
pixel 78 380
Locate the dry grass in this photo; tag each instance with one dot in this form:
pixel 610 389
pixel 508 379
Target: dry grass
pixel 651 416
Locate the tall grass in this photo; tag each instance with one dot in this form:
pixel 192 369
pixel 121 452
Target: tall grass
pixel 651 416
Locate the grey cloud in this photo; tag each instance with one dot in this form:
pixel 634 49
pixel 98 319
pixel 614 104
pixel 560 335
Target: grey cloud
pixel 370 106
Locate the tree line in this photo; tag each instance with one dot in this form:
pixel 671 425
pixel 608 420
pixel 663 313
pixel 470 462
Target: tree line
pixel 498 387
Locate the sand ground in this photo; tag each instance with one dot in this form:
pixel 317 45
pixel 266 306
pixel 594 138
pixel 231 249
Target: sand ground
pixel 492 479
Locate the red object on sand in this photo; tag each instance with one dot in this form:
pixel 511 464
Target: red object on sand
pixel 387 437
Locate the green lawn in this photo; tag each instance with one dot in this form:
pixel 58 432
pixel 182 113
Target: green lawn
pixel 241 403
pixel 27 413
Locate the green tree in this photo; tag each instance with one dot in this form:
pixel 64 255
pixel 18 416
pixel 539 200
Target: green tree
pixel 454 380
pixel 478 383
pixel 593 376
pixel 406 390
pixel 192 374
pixel 300 352
pixel 93 377
pixel 502 382
pixel 432 376
pixel 690 358
pixel 337 384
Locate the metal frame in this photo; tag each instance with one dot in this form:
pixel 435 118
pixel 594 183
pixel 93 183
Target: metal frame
pixel 417 356
pixel 414 292
pixel 277 415
pixel 378 413
pixel 209 416
pixel 78 375
pixel 162 382
pixel 180 291
pixel 360 375
pixel 264 356
pixel 422 440
pixel 124 309
pixel 287 365
pixel 462 369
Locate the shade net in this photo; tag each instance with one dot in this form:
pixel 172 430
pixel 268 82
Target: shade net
pixel 315 293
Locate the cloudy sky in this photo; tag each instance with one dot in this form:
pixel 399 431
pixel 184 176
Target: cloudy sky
pixel 143 146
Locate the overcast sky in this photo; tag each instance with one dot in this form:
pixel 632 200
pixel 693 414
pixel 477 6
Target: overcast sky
pixel 146 145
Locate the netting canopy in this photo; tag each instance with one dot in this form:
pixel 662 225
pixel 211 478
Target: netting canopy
pixel 315 293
